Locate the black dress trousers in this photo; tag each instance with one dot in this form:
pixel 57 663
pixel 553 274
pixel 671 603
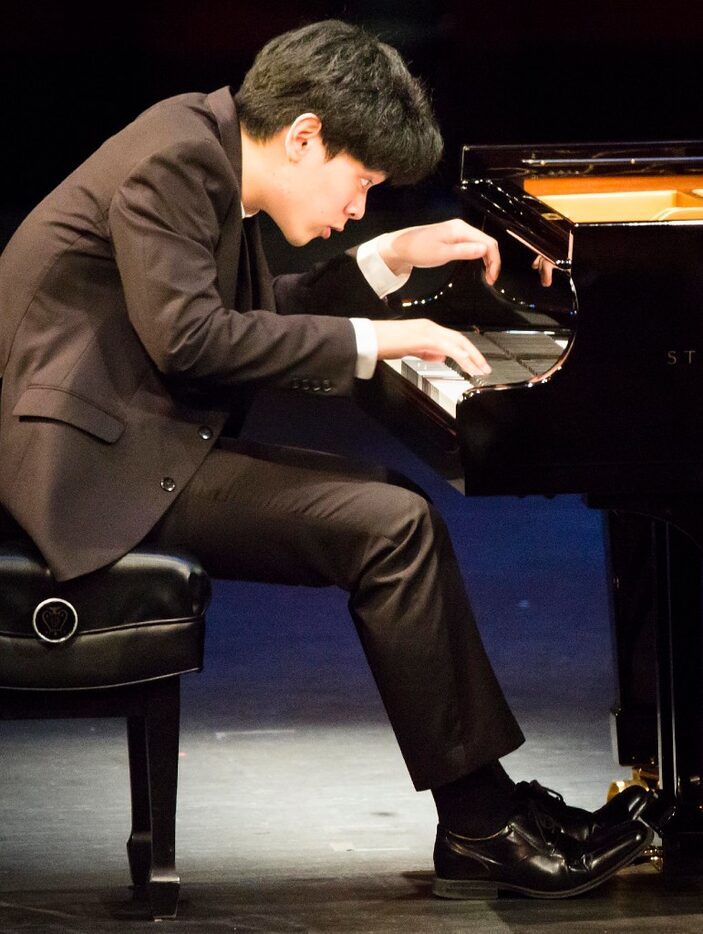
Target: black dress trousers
pixel 263 513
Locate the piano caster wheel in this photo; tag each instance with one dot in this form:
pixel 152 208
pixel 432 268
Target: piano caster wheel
pixel 652 856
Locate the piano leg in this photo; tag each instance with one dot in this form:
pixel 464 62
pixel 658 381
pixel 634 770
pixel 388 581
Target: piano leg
pixel 631 560
pixel 657 594
pixel 680 697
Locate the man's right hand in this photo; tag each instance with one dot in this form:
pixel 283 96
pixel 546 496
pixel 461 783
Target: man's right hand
pixel 419 337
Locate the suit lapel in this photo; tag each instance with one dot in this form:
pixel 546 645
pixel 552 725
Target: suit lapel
pixel 244 297
pixel 221 103
pixel 229 253
pixel 228 256
pixel 243 276
pixel 262 289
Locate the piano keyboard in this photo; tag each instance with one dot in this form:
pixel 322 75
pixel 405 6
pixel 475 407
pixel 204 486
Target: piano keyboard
pixel 514 356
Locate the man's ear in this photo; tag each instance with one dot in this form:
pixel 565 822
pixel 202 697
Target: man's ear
pixel 304 130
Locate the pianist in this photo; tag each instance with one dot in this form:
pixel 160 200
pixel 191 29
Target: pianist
pixel 137 314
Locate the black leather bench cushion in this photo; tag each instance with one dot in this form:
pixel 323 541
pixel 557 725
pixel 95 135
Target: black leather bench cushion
pixel 139 619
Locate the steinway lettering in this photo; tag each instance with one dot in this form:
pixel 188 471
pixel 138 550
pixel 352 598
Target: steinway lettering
pixel 674 357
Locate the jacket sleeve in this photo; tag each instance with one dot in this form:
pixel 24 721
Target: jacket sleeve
pixel 336 287
pixel 165 221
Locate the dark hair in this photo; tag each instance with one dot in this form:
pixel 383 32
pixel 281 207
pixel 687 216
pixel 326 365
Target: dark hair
pixel 370 106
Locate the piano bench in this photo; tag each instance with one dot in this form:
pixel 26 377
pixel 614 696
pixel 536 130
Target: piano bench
pixel 111 644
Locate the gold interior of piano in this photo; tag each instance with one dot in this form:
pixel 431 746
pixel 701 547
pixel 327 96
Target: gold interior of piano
pixel 617 199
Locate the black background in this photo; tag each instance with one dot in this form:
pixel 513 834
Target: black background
pixel 501 71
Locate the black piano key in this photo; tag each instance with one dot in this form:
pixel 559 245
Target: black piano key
pixel 527 344
pixel 484 344
pixel 502 371
pixel 538 365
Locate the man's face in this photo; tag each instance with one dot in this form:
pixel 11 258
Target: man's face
pixel 316 195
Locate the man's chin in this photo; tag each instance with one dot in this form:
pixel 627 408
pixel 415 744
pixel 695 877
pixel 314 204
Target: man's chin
pixel 297 238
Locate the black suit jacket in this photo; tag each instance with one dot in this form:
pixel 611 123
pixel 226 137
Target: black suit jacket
pixel 133 314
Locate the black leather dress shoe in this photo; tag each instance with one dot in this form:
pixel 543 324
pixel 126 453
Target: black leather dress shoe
pixel 579 823
pixel 532 856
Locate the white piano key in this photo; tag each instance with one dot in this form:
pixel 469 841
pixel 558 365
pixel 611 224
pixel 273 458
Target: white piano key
pixel 427 368
pixel 446 392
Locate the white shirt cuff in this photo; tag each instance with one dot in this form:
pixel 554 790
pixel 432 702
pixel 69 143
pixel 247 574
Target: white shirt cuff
pixel 375 271
pixel 366 347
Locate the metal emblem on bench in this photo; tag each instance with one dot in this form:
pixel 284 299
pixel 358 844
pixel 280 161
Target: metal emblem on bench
pixel 55 620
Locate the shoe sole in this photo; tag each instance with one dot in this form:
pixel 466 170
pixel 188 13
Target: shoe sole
pixel 485 889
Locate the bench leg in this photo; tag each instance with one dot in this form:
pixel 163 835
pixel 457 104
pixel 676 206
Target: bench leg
pixel 139 843
pixel 162 733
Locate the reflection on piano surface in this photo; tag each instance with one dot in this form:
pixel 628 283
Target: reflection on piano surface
pixel 514 356
pixel 596 388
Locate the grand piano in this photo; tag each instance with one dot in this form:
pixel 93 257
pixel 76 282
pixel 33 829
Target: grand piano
pixel 597 389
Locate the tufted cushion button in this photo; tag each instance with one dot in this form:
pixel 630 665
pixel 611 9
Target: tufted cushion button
pixel 326 385
pixel 55 620
pixel 295 384
pixel 168 484
pixel 205 432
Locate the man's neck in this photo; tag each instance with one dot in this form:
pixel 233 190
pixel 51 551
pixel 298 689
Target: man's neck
pixel 258 170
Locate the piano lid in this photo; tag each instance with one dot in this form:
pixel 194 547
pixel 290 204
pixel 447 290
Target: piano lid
pixel 564 160
pixel 544 192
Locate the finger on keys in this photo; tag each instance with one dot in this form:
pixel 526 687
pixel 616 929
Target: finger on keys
pixel 471 359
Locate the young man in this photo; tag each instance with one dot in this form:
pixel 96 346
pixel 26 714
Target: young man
pixel 137 315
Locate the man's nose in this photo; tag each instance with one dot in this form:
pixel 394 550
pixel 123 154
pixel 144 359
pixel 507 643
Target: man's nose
pixel 356 208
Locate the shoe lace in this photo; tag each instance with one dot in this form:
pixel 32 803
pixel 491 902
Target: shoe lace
pixel 548 829
pixel 546 792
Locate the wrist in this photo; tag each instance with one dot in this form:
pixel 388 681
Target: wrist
pixel 389 254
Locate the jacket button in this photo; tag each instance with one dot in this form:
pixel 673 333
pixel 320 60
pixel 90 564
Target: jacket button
pixel 205 432
pixel 168 484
